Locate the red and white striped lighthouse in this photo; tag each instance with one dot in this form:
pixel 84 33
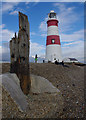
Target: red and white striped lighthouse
pixel 53 45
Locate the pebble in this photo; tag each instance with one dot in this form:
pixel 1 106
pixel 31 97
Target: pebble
pixel 77 102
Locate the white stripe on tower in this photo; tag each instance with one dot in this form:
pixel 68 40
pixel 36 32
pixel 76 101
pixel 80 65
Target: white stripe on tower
pixel 52 30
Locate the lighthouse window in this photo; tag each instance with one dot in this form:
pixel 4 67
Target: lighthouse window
pixel 52 15
pixel 53 40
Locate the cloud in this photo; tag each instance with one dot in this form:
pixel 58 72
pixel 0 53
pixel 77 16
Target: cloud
pixel 32 33
pixel 9 6
pixel 43 25
pixel 2 26
pixel 67 17
pixel 43 35
pixel 75 36
pixel 36 48
pixel 75 50
pixel 14 12
pixel 4 54
pixel 61 6
pixel 73 45
pixel 43 28
pixel 5 34
pixel 27 3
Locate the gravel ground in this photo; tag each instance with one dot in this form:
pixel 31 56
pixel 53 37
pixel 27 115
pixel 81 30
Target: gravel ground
pixel 39 106
pixel 68 79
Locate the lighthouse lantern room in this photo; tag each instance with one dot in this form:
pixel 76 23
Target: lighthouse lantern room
pixel 53 45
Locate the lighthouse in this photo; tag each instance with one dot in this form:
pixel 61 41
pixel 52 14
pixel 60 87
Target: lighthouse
pixel 53 45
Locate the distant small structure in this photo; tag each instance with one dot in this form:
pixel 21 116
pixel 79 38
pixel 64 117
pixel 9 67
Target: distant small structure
pixel 19 53
pixel 43 61
pixel 36 58
pixel 70 60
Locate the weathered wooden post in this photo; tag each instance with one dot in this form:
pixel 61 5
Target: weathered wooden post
pixel 14 54
pixel 19 52
pixel 24 37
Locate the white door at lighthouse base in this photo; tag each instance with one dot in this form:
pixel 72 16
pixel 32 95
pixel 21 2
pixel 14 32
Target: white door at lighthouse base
pixel 53 57
pixel 53 53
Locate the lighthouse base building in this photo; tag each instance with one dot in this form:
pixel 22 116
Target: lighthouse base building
pixel 53 53
pixel 53 45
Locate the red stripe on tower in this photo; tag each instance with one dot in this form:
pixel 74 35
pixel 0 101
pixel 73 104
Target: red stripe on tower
pixel 53 39
pixel 52 23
